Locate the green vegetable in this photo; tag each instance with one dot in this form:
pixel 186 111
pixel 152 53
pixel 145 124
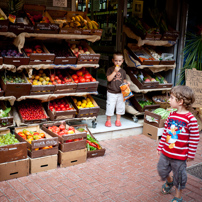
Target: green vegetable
pixel 8 139
pixel 92 148
pixel 88 147
pixel 4 113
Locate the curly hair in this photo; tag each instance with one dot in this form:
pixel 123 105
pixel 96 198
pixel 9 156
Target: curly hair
pixel 184 93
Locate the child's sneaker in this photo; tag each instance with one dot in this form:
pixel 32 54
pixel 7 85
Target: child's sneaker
pixel 118 123
pixel 108 124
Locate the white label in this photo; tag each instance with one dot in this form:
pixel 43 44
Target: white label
pixel 60 3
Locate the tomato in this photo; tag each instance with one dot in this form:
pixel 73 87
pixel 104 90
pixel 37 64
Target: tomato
pixel 70 108
pixel 93 79
pixel 56 77
pixel 65 131
pixel 82 80
pixel 58 109
pixel 61 133
pixel 61 127
pixel 74 76
pixel 87 76
pixel 51 107
pixel 63 82
pixel 54 83
pixel 52 79
pixel 76 81
pixel 87 80
pixel 79 73
pixel 67 108
pixel 64 109
pixel 67 105
pixel 71 128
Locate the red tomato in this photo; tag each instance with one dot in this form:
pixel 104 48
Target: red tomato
pixel 67 108
pixel 67 105
pixel 71 128
pixel 64 109
pixel 63 82
pixel 61 133
pixel 70 108
pixel 76 81
pixel 62 106
pixel 54 83
pixel 87 80
pixel 65 131
pixel 62 127
pixel 93 79
pixel 74 76
pixel 82 80
pixel 56 77
pixel 79 73
pixel 52 79
pixel 51 107
pixel 58 109
pixel 87 76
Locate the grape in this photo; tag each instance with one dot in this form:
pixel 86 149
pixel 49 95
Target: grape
pixel 7 139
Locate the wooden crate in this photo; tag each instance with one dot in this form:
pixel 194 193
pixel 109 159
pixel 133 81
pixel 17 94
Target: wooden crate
pixel 5 121
pixel 95 153
pixel 170 35
pixel 3 23
pixel 32 121
pixel 87 87
pixel 12 152
pixel 39 58
pixel 72 158
pixel 61 115
pixel 42 89
pixel 165 84
pixel 15 89
pixel 1 60
pixel 47 28
pixel 92 58
pixel 14 169
pixel 158 121
pixel 141 85
pixel 35 144
pixel 87 112
pixel 67 146
pixel 134 100
pixel 43 163
pixel 136 52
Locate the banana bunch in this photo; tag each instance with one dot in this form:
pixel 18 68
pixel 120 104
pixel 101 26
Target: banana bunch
pixel 79 22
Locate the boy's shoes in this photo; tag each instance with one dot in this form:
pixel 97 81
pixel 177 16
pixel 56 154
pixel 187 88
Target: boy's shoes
pixel 118 123
pixel 108 124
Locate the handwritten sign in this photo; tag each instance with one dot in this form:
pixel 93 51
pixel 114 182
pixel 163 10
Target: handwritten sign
pixel 194 80
pixel 60 3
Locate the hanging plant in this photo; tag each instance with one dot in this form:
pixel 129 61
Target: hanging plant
pixel 192 54
pixel 14 6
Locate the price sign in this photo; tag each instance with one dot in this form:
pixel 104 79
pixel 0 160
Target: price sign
pixel 194 80
pixel 60 3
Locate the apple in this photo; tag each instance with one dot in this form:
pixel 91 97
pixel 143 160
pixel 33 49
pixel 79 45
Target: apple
pixel 147 80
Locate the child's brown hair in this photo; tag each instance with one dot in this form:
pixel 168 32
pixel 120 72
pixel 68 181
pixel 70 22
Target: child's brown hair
pixel 118 54
pixel 184 93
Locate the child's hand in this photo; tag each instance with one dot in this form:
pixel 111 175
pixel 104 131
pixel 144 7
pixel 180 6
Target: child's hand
pixel 158 152
pixel 188 159
pixel 116 69
pixel 128 82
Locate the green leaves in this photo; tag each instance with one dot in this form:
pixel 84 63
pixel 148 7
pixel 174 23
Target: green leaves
pixel 4 113
pixel 192 54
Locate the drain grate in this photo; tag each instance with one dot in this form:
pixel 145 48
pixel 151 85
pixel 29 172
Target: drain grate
pixel 196 170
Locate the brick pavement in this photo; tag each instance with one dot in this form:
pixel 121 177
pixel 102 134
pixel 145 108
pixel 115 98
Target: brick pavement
pixel 127 172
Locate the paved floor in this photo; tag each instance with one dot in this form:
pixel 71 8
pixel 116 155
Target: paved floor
pixel 127 172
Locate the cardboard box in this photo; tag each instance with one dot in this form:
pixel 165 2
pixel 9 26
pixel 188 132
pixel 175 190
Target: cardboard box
pixel 14 169
pixel 158 122
pixel 72 158
pixel 43 163
pixel 12 152
pixel 152 131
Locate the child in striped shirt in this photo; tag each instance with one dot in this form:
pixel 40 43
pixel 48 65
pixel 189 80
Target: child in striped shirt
pixel 179 141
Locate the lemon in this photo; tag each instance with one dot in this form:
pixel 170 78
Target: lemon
pixel 41 79
pixel 79 103
pixel 88 99
pixel 83 105
pixel 37 77
pixel 90 103
pixel 47 79
pixel 39 83
pixel 84 101
pixel 35 83
pixel 78 107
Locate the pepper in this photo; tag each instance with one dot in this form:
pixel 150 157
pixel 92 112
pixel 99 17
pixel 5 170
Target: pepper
pixel 92 148
pixel 91 139
pixel 91 144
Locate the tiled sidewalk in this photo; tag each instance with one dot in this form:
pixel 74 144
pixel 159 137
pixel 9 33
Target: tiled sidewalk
pixel 127 172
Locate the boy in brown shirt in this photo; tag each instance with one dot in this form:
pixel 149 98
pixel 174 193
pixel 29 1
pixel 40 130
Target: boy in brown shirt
pixel 115 77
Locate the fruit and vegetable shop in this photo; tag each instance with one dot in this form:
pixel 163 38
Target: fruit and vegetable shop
pixel 53 62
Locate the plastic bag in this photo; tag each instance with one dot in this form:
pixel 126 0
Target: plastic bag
pixel 126 91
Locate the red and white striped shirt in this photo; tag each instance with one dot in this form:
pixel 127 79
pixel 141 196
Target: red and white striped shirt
pixel 180 137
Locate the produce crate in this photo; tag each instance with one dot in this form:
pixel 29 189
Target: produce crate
pixel 12 152
pixel 14 169
pixel 25 121
pixel 67 146
pixel 67 87
pixel 6 121
pixel 15 89
pixel 47 28
pixel 42 89
pixel 92 58
pixel 43 163
pixel 95 153
pixel 165 84
pixel 132 73
pixel 61 50
pixel 162 100
pixel 134 100
pixel 33 150
pixel 170 35
pixel 22 24
pixel 139 52
pixel 146 35
pixel 61 115
pixel 87 86
pixel 72 158
pixel 1 92
pixel 157 120
pixel 1 60
pixel 87 112
pixel 38 58
pixel 3 23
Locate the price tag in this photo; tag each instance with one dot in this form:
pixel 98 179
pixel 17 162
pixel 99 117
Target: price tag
pixel 60 3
